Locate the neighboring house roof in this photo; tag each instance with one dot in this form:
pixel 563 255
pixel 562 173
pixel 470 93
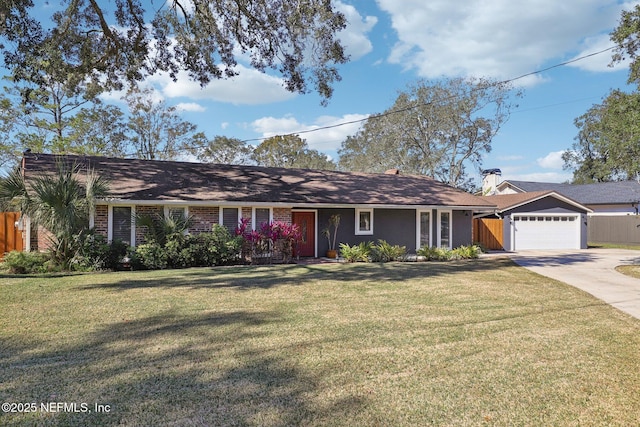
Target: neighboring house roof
pixel 601 193
pixel 506 202
pixel 169 181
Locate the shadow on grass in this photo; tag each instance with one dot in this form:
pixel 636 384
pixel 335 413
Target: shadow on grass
pixel 265 277
pixel 167 369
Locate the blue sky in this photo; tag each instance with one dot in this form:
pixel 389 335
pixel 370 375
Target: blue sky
pixel 396 42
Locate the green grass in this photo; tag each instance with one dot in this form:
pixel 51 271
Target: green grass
pixel 480 342
pixel 630 246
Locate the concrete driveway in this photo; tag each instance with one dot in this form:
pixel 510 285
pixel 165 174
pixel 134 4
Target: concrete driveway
pixel 592 270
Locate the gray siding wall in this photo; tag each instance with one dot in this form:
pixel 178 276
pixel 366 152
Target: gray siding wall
pixel 506 232
pixel 396 226
pixel 546 205
pixel 462 228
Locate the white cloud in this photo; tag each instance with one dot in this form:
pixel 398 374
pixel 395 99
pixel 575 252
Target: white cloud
pixel 190 106
pixel 597 63
pixel 250 87
pixel 494 38
pixel 324 140
pixel 510 158
pixel 354 37
pixel 552 160
pixel 556 177
pixel 527 173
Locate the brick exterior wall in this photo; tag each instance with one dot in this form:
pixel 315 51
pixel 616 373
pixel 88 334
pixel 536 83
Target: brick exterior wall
pixel 204 217
pixel 146 211
pixel 101 220
pixel 282 215
pixel 44 236
pixel 247 213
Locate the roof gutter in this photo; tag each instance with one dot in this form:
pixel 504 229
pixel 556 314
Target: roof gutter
pixel 125 202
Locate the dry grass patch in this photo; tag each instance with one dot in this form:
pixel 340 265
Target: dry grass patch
pixel 629 270
pixel 463 343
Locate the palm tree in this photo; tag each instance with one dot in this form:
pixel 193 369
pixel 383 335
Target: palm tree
pixel 59 202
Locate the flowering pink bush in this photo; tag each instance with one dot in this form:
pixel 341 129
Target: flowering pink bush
pixel 273 240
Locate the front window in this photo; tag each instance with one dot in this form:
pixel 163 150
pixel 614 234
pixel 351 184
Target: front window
pixel 121 221
pixel 261 216
pixel 425 230
pixel 444 229
pixel 230 218
pixel 176 213
pixel 364 221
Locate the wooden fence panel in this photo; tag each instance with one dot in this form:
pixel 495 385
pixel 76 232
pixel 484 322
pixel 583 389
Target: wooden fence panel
pixel 489 233
pixel 10 236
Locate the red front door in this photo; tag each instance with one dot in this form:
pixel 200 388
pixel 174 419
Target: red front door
pixel 306 221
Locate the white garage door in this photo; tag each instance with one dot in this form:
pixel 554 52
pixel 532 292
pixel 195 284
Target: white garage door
pixel 532 231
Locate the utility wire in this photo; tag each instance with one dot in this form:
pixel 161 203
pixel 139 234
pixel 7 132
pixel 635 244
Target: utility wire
pixel 402 110
pixel 411 107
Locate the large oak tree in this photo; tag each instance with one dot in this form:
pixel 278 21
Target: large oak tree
pixel 438 129
pixel 110 44
pixel 607 147
pixel 290 151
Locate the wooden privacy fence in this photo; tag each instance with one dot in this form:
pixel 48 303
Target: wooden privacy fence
pixel 10 236
pixel 488 232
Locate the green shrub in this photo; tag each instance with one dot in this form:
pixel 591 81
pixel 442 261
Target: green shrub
pixel 444 254
pixel 217 247
pixel 177 252
pixel 385 252
pixel 96 253
pixel 435 254
pixel 17 262
pixel 150 256
pixel 356 253
pixel 466 252
pixel 220 247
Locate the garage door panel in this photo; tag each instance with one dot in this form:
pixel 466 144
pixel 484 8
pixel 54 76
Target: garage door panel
pixel 546 232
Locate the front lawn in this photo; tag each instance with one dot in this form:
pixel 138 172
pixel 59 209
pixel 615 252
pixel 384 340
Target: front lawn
pixel 480 342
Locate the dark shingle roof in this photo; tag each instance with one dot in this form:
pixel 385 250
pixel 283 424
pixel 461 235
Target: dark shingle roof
pixel 600 193
pixel 150 180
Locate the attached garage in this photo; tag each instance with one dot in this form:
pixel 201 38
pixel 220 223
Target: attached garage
pixel 533 231
pixel 541 220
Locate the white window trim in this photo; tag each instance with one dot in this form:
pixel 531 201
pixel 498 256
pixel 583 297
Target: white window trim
pixel 418 225
pixel 359 232
pixel 27 229
pixel 253 216
pixel 440 212
pixel 133 223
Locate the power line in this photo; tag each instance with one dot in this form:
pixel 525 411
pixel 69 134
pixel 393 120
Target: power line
pixel 411 107
pixel 402 110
